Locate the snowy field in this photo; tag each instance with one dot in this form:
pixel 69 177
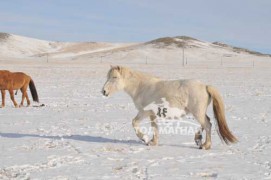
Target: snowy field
pixel 81 135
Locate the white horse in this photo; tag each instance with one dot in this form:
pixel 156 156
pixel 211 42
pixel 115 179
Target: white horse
pixel 190 96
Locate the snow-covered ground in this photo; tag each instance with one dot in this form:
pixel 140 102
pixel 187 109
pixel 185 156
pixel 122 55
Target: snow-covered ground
pixel 81 135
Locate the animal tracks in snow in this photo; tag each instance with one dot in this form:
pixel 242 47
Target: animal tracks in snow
pixel 23 171
pixel 263 143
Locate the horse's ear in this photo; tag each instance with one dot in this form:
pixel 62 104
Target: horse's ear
pixel 118 68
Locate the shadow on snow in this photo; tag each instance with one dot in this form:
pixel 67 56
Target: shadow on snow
pixel 72 137
pixel 95 139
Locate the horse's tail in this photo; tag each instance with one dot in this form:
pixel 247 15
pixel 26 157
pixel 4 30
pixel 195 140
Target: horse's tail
pixel 219 112
pixel 33 91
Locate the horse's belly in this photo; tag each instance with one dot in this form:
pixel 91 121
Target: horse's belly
pixel 4 86
pixel 18 83
pixel 17 86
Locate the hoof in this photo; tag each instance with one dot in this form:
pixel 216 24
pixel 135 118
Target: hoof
pixel 17 106
pixel 145 139
pixel 205 146
pixel 152 143
pixel 198 142
pixel 198 139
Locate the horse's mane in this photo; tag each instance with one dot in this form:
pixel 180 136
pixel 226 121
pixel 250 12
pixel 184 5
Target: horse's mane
pixel 129 73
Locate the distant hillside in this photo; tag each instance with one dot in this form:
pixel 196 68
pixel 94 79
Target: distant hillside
pixel 189 42
pixel 239 50
pixel 20 46
pixel 4 36
pixel 178 41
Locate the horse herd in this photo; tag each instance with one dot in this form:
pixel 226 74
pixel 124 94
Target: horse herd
pixel 189 96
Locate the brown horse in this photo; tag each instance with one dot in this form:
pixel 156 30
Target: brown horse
pixel 13 81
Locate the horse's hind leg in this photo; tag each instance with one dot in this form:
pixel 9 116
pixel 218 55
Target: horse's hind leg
pixel 27 99
pixel 11 92
pixel 154 125
pixel 207 126
pixel 3 92
pixel 198 135
pixel 24 95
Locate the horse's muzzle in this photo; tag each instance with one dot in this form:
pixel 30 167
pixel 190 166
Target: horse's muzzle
pixel 104 93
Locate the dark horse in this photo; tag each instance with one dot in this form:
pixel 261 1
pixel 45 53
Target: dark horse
pixel 13 81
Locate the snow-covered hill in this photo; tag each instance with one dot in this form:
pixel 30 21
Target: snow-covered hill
pixel 19 46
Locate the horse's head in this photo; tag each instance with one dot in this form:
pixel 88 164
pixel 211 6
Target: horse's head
pixel 115 81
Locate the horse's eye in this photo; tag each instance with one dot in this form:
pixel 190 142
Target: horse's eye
pixel 115 77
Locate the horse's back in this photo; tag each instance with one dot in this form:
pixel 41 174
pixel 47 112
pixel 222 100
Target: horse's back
pixel 4 72
pixel 20 77
pixel 13 80
pixel 193 85
pixel 20 74
pixel 186 84
pixel 13 74
pixel 189 92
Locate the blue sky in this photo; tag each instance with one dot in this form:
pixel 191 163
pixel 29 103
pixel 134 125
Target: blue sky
pixel 244 23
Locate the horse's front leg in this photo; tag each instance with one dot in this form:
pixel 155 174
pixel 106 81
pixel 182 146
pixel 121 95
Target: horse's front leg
pixel 136 121
pixel 154 125
pixel 3 92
